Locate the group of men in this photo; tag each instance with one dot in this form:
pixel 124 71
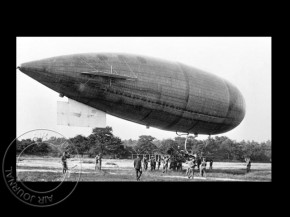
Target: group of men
pixel 171 163
pixel 156 161
pixel 65 156
pixel 193 162
pixel 200 163
pixel 153 163
pixel 138 164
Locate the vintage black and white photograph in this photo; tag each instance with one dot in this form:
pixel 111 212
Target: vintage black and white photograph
pixel 143 109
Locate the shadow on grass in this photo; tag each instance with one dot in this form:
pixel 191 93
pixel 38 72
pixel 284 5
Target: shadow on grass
pixel 39 177
pixel 114 174
pixel 228 171
pixel 215 171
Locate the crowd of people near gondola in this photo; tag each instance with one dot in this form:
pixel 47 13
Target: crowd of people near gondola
pixel 161 162
pixel 194 162
pixel 199 163
pixel 172 163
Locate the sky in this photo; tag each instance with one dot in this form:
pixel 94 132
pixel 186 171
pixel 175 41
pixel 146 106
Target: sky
pixel 244 61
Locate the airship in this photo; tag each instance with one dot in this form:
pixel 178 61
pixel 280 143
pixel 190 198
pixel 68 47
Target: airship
pixel 158 93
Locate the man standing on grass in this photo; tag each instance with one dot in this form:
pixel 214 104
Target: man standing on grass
pixel 190 169
pixel 198 161
pixel 210 164
pixel 203 167
pixel 100 161
pixel 138 167
pixel 165 167
pixel 158 162
pixel 152 163
pixel 145 163
pixel 248 161
pixel 64 163
pixel 97 161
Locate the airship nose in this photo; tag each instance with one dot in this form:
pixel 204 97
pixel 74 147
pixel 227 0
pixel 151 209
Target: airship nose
pixel 31 66
pixel 35 69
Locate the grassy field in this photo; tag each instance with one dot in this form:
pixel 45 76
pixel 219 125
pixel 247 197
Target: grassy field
pixel 50 169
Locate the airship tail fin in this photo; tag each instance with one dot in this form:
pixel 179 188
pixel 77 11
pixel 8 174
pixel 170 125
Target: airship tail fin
pixel 73 113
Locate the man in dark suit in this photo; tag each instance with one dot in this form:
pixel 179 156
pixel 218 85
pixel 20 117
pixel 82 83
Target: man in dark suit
pixel 152 163
pixel 138 167
pixel 210 164
pixel 248 161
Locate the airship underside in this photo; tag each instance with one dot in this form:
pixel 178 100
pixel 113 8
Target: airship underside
pixel 153 92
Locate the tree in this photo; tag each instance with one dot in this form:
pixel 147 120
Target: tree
pixel 197 147
pixel 103 141
pixel 129 151
pixel 80 143
pixel 157 143
pixel 145 145
pixel 237 153
pixel 23 144
pixel 226 148
pixel 129 142
pixel 268 150
pixel 168 146
pixel 99 139
pixel 210 147
pixel 115 147
pixel 41 148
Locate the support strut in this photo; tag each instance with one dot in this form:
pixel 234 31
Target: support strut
pixel 187 134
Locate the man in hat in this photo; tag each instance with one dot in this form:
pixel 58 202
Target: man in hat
pixel 138 167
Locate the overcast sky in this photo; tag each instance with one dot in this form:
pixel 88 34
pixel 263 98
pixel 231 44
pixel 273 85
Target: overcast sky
pixel 244 61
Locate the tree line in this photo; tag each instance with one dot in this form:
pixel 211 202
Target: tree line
pixel 102 140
